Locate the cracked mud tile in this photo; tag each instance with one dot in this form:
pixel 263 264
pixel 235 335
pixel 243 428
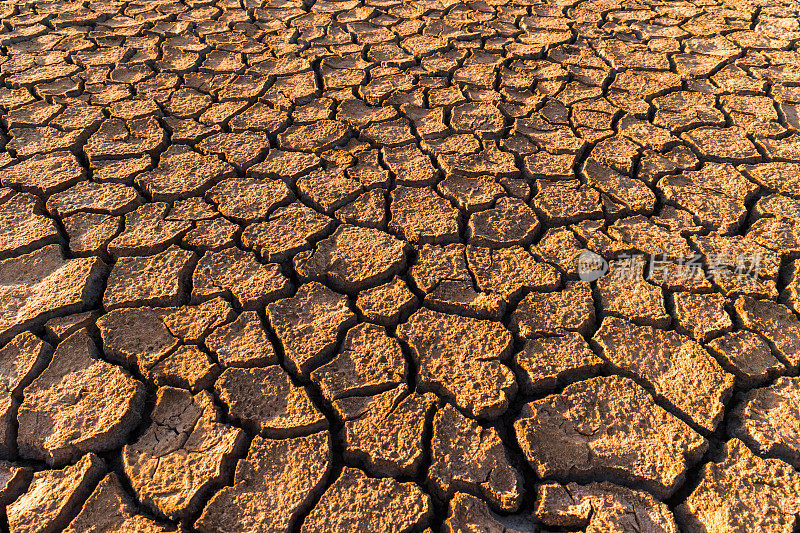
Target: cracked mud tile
pixel 510 222
pixel 602 507
pixel 441 272
pixel 24 227
pixel 783 236
pixel 369 362
pixel 550 166
pixel 444 347
pixel 468 513
pixel 67 411
pixel 548 362
pixel 509 271
pixel 14 480
pixel 778 175
pixel 44 173
pixel 136 337
pixel 608 427
pixel 561 248
pixel 308 325
pixel 273 485
pixel 316 137
pixel 184 454
pixel 682 110
pixel 621 195
pixel 147 232
pixel 385 432
pixel 241 149
pixel 624 292
pixel 723 144
pixel 259 116
pixel 237 274
pixel 159 279
pixel 368 210
pixel 21 360
pixel 242 342
pixel 90 233
pixel 284 164
pixel 370 505
pixel 181 173
pixel 187 367
pixel 369 172
pixel 422 216
pixel 742 491
pixel 266 402
pixel 192 323
pixel 353 258
pixel 247 200
pixel 490 160
pixel 108 198
pixel 676 368
pixel 289 230
pixel 40 285
pixel 791 293
pixel 702 316
pixel 645 236
pixel 571 309
pixel 410 165
pixel 735 251
pixel 747 356
pixel 437 263
pixel 566 201
pixel 111 508
pixel 715 195
pixel 466 457
pixel 778 206
pixel 776 323
pixel 119 138
pixel 42 140
pixel 192 209
pixel 54 497
pixel 471 194
pixel 767 420
pixel 387 304
pixel 211 235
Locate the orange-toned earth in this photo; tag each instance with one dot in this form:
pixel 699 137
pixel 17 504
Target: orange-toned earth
pixel 400 266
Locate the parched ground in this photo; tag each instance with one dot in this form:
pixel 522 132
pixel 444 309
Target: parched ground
pixel 393 266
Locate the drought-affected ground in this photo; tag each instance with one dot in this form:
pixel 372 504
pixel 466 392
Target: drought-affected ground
pixel 384 266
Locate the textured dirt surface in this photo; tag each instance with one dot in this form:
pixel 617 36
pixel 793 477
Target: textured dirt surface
pixel 412 266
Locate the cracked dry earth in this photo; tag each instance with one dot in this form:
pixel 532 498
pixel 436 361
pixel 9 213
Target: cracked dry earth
pixel 287 266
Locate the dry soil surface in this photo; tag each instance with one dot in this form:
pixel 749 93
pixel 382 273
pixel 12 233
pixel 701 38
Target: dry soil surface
pixel 326 266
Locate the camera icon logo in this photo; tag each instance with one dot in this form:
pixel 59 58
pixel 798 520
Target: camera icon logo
pixel 591 266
